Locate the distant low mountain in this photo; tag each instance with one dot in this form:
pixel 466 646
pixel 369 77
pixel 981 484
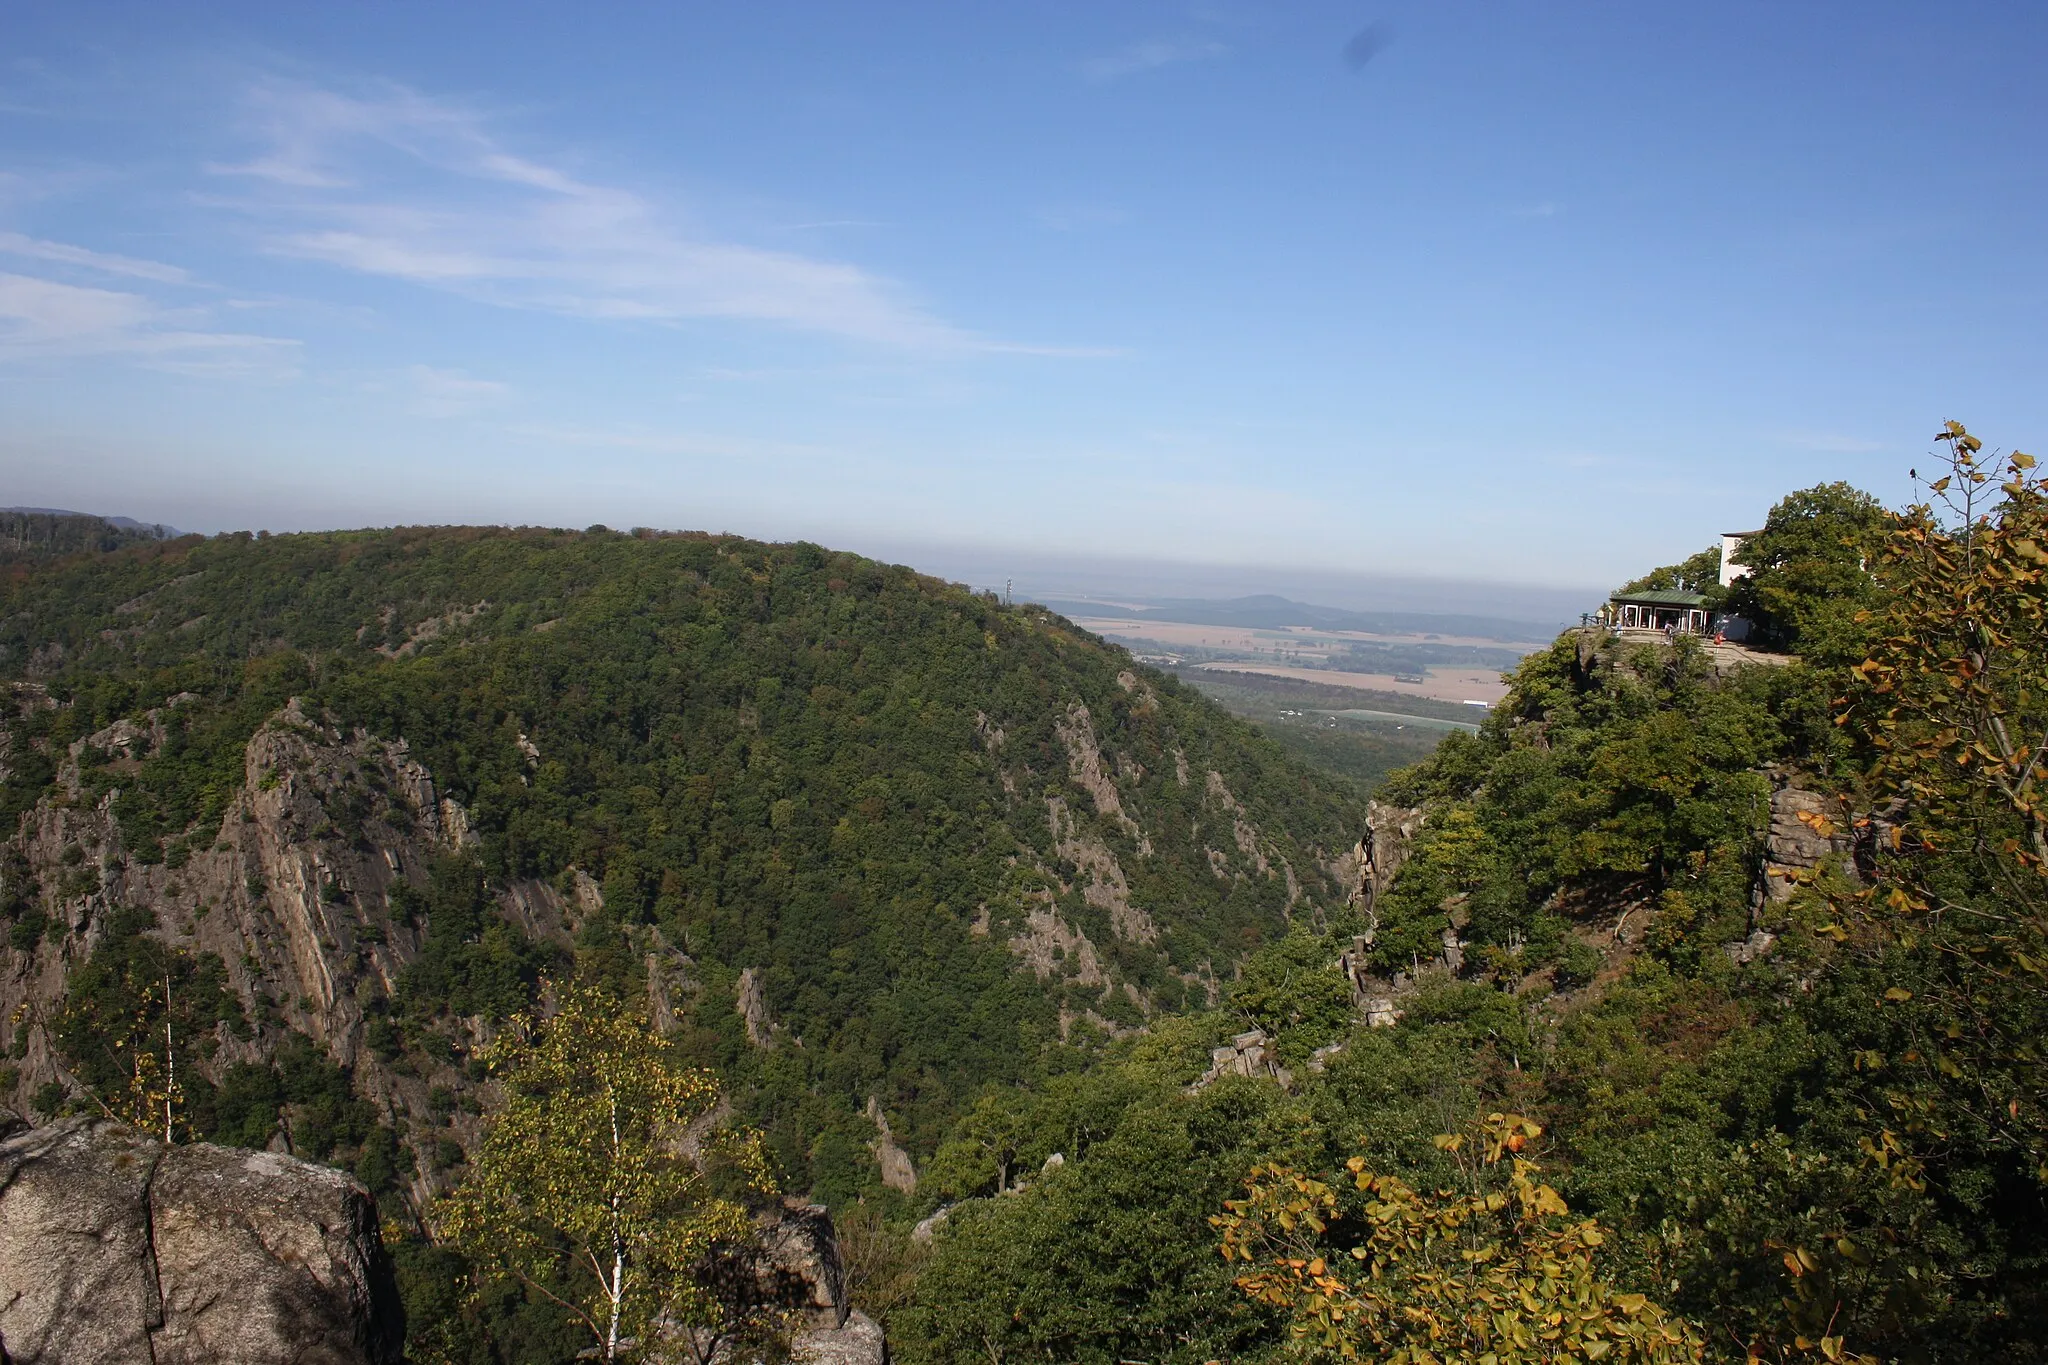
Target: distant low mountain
pixel 1268 612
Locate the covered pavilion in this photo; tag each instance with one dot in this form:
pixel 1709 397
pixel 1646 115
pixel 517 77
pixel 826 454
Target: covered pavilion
pixel 1664 609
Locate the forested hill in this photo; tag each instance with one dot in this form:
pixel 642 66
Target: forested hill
pixel 31 533
pixel 864 833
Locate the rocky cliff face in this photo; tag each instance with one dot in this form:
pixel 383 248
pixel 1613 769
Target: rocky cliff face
pixel 293 893
pixel 115 1248
pixel 1047 940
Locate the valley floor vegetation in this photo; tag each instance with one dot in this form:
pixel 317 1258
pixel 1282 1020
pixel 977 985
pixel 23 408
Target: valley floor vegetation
pixel 1601 1072
pixel 1309 721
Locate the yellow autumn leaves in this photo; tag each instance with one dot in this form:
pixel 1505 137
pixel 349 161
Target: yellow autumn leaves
pixel 1489 1272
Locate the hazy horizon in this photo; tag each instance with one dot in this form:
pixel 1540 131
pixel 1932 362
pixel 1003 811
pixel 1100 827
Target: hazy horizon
pixel 1041 577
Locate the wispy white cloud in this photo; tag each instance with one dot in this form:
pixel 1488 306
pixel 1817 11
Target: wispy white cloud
pixel 44 310
pixel 1547 209
pixel 60 253
pixel 18 190
pixel 403 186
pixel 1149 56
pixel 42 318
pixel 452 393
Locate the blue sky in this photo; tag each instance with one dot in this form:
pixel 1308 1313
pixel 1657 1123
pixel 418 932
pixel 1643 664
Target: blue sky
pixel 1544 293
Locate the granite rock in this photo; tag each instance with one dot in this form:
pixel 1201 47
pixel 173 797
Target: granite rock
pixel 115 1248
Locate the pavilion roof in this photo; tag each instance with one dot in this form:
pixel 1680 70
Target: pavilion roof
pixel 1661 597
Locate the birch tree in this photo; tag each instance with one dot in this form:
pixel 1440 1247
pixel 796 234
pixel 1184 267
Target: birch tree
pixel 582 1190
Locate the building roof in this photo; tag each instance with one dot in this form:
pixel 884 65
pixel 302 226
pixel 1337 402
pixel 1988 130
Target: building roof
pixel 1661 597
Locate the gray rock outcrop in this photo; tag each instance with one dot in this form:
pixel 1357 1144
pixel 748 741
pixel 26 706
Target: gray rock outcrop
pixel 1248 1054
pixel 857 1341
pixel 1806 828
pixel 115 1249
pixel 1751 949
pixel 796 1263
pixel 787 1284
pixel 898 1171
pixel 751 1003
pixel 1389 836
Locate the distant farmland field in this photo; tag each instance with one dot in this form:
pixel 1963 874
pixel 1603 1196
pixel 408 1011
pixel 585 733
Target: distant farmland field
pixel 1457 684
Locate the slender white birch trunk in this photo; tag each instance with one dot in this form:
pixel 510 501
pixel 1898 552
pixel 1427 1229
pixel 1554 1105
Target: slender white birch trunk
pixel 618 1285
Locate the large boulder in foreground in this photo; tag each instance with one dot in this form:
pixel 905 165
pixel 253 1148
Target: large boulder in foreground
pixel 116 1249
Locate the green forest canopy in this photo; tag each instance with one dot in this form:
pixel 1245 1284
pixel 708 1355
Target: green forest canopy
pixel 783 758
